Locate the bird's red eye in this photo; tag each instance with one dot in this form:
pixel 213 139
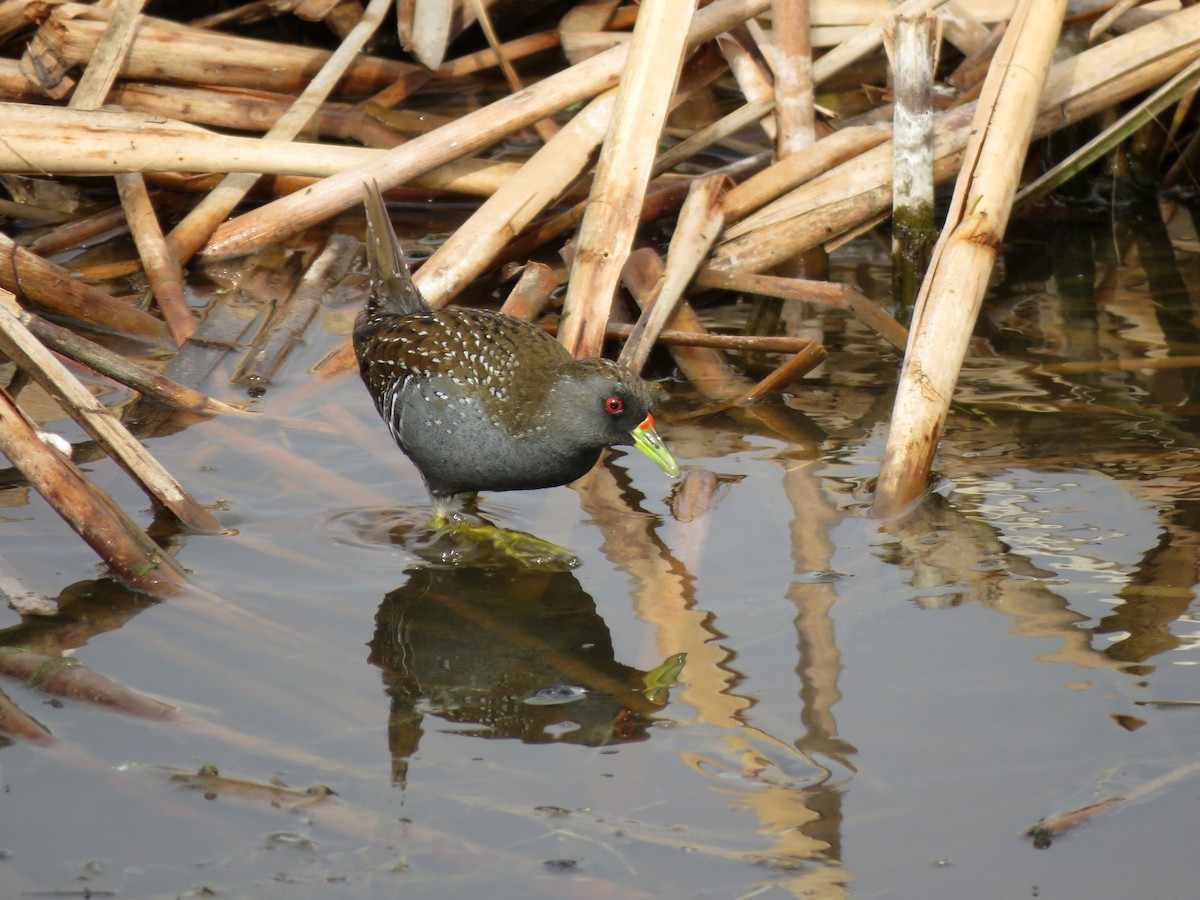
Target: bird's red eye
pixel 614 404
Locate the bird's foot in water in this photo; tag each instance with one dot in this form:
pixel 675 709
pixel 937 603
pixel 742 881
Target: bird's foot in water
pixel 464 539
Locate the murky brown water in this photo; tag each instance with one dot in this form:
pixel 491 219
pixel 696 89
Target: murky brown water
pixel 867 709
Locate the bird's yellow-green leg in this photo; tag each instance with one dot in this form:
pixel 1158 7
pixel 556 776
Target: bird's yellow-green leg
pixel 472 539
pixel 646 439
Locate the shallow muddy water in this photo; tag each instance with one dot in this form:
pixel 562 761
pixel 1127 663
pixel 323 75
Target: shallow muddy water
pixel 866 709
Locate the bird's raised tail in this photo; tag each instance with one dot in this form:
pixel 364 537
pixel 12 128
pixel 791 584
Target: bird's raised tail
pixel 392 290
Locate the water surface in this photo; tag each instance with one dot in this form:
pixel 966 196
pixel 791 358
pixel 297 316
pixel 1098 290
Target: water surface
pixel 867 709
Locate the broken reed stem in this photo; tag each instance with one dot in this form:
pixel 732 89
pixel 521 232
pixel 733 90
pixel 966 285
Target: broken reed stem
pixel 622 173
pixel 952 293
pixel 961 28
pixel 860 189
pixel 15 722
pixel 532 292
pixel 162 267
pixel 1129 124
pixel 197 227
pixel 93 515
pixel 546 128
pixel 77 231
pixel 50 288
pixel 823 293
pixel 40 140
pixel 169 51
pixel 696 230
pixel 108 55
pixel 704 367
pixel 35 360
pixel 775 181
pixel 912 48
pixel 795 116
pixel 679 338
pixel 517 48
pixel 475 130
pixel 474 245
pixel 115 366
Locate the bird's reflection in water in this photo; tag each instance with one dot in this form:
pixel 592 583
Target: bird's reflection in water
pixel 507 653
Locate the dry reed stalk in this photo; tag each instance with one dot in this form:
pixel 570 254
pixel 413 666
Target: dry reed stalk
pixel 467 177
pixel 254 111
pixel 663 200
pixel 752 75
pixel 532 292
pixel 35 360
pixel 102 273
pixel 962 28
pixel 161 264
pixel 169 51
pixel 475 244
pixel 860 189
pixel 1046 829
pixel 622 174
pixel 316 10
pixel 197 227
pixel 50 288
pixel 697 228
pixel 794 112
pixel 31 213
pixel 869 38
pixel 972 70
pixel 115 366
pixel 784 375
pixel 584 29
pixel 108 55
pixel 952 293
pixel 788 174
pixel 405 11
pixel 249 13
pixel 434 23
pixel 670 337
pixel 822 293
pixel 796 170
pixel 116 539
pixel 849 13
pixel 42 140
pixel 467 134
pixel 1180 118
pixel 1133 121
pixel 546 128
pixel 1115 12
pixel 21 598
pixel 13 18
pixel 78 231
pixel 706 368
pixel 161 267
pixel 527 45
pixel 712 134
